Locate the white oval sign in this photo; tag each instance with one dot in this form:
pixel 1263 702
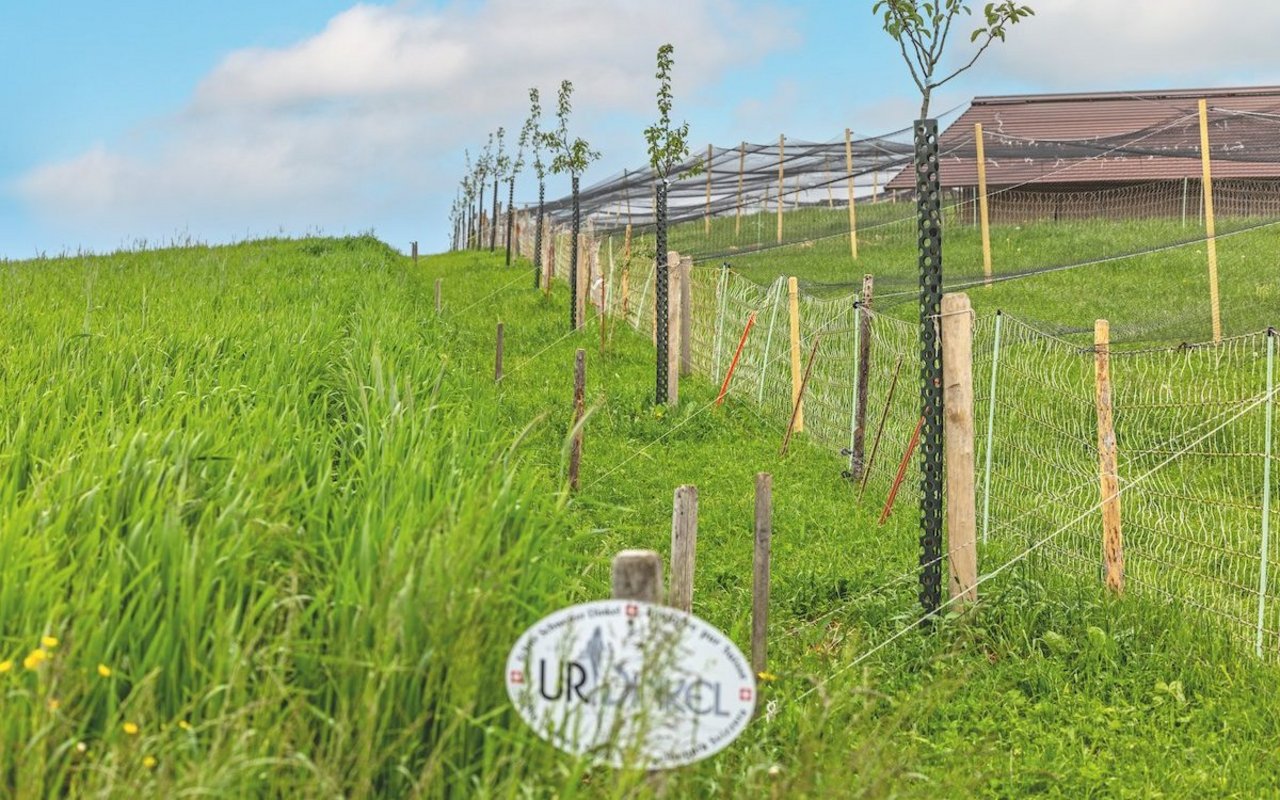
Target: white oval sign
pixel 631 683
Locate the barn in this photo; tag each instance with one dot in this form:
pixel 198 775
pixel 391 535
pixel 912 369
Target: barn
pixel 1115 154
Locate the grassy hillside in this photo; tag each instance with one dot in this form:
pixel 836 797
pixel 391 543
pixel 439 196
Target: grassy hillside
pixel 280 528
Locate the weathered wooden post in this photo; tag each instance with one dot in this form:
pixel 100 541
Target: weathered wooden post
pixel 684 546
pixel 579 411
pixel 673 328
pixel 686 315
pixel 760 572
pixel 957 379
pixel 637 575
pixel 415 254
pixel 497 357
pixel 1108 473
pixel 857 458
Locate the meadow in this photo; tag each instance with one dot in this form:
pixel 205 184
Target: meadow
pixel 269 529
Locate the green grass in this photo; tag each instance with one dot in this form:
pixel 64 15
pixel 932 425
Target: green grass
pixel 284 502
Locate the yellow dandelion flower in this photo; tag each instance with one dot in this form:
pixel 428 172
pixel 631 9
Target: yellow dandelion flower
pixel 766 677
pixel 149 762
pixel 49 642
pixel 182 723
pixel 130 728
pixel 104 670
pixel 35 658
pixel 54 704
pixel 6 665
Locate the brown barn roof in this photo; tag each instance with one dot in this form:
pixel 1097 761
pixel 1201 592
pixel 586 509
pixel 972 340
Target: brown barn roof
pixel 1112 137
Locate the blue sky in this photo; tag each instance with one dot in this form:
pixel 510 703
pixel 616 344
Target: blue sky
pixel 150 121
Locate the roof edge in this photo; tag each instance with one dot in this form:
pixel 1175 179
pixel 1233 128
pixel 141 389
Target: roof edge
pixel 1164 94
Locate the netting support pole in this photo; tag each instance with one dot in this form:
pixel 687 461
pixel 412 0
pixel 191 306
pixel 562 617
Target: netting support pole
pixel 1108 473
pixel 742 165
pixel 782 143
pixel 929 230
pixel 853 214
pixel 991 428
pixel 707 217
pixel 983 211
pixel 1266 483
pixel 1211 241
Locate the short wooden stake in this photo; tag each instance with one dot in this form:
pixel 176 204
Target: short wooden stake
pixel 684 546
pixel 782 141
pixel 853 214
pixel 1210 225
pixel 579 411
pixel 497 358
pixel 957 385
pixel 438 281
pixel 793 293
pixel 1109 478
pixel 760 573
pixel 984 217
pixel 686 315
pixel 637 575
pixel 857 459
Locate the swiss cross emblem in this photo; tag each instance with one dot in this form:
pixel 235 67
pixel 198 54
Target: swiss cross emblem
pixel 517 676
pixel 632 609
pixel 744 694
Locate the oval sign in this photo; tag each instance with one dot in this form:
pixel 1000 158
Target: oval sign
pixel 631 683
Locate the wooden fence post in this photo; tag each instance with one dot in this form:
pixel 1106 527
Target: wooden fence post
pixel 415 254
pixel 782 141
pixel 686 315
pixel 637 575
pixel 985 219
pixel 684 546
pixel 853 214
pixel 497 358
pixel 857 459
pixel 674 342
pixel 579 411
pixel 957 381
pixel 1109 478
pixel 438 281
pixel 1210 225
pixel 551 265
pixel 797 402
pixel 760 572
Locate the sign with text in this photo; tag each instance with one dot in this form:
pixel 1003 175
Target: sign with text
pixel 630 683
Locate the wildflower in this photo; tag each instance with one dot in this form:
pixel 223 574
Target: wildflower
pixel 149 762
pixel 104 670
pixel 81 747
pixel 6 665
pixel 766 677
pixel 35 658
pixel 54 704
pixel 183 724
pixel 130 728
pixel 49 642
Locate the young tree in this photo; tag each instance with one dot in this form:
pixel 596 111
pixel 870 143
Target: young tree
pixel 526 133
pixel 533 130
pixel 668 150
pixel 501 164
pixel 484 166
pixel 922 29
pixel 572 157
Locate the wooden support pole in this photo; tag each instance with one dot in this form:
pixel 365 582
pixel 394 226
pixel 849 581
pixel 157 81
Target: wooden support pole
pixel 438 282
pixel 637 575
pixel 984 218
pixel 579 411
pixel 674 342
pixel 1108 474
pixel 551 266
pixel 853 214
pixel 604 284
pixel 857 459
pixel 415 254
pixel 497 357
pixel 684 546
pixel 580 296
pixel 1210 224
pixel 686 315
pixel 957 383
pixel 797 403
pixel 760 573
pixel 707 217
pixel 782 143
pixel 742 167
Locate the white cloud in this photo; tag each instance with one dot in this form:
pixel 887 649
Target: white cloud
pixel 342 128
pixel 1136 44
